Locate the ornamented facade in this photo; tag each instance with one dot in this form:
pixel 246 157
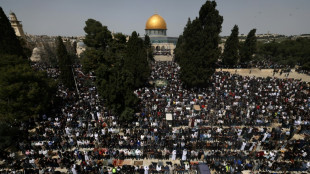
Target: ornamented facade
pixel 156 29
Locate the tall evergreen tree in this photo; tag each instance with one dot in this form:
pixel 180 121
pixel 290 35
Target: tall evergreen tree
pixel 116 84
pixel 65 64
pixel 24 93
pixel 198 49
pixel 249 47
pixel 136 60
pixel 178 51
pixel 9 43
pixel 230 55
pixel 97 36
pixel 148 47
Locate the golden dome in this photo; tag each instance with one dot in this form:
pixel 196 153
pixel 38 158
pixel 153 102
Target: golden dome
pixel 156 22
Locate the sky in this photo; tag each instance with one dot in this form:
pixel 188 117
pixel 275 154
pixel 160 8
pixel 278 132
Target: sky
pixel 67 17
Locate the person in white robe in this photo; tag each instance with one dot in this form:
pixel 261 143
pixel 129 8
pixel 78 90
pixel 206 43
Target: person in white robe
pixel 184 155
pixel 174 154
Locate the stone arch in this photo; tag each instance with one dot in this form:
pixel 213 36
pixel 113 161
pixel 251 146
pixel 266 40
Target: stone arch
pixel 157 48
pixel 163 48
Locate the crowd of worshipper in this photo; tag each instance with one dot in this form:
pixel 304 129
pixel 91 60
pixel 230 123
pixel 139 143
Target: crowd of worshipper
pixel 237 123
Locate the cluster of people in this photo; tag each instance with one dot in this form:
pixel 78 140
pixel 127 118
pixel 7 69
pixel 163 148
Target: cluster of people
pixel 237 123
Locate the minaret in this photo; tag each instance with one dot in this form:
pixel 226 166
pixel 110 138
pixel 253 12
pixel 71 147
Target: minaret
pixel 18 27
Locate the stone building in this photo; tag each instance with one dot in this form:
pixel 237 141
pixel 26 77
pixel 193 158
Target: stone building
pixel 156 29
pixel 16 25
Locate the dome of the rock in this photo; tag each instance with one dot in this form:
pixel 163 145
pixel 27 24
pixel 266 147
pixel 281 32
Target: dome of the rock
pixel 156 22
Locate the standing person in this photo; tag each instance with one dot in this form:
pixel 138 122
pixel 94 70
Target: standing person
pixel 138 153
pixel 243 146
pixel 174 154
pixel 187 167
pixel 158 168
pixel 184 155
pixel 146 169
pixel 73 170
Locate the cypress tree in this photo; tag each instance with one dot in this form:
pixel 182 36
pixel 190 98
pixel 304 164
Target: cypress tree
pixel 24 93
pixel 97 36
pixel 231 52
pixel 249 47
pixel 148 47
pixel 136 60
pixel 65 64
pixel 198 51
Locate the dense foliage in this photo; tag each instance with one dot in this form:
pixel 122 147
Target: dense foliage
pixel 65 64
pixel 24 93
pixel 197 49
pixel 230 55
pixel 97 36
pixel 149 51
pixel 288 52
pixel 136 60
pixel 249 47
pixel 120 66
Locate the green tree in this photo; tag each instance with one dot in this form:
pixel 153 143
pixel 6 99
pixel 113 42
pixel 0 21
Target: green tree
pixel 136 60
pixel 148 46
pixel 118 44
pixel 288 52
pixel 249 47
pixel 26 46
pixel 198 49
pixel 24 93
pixel 178 51
pixel 230 55
pixel 115 86
pixel 48 54
pixel 9 43
pixel 71 49
pixel 8 135
pixel 65 64
pixel 97 39
pixel 91 59
pixel 120 67
pixel 97 36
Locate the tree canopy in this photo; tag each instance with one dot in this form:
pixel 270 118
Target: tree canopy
pixel 288 52
pixel 24 93
pixel 197 49
pixel 249 47
pixel 65 64
pixel 230 55
pixel 148 46
pixel 97 36
pixel 120 66
pixel 136 60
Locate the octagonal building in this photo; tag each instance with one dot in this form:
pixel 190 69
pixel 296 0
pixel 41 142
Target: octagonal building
pixel 156 29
